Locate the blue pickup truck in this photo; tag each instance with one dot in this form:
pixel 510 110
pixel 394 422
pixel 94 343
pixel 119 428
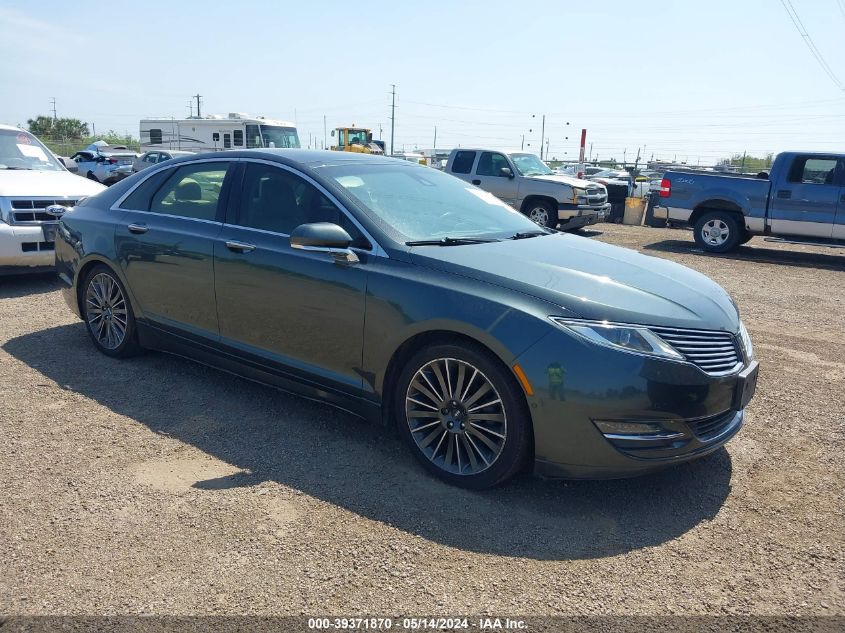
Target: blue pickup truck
pixel 802 200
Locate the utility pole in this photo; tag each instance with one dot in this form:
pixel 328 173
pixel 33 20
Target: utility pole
pixel 591 151
pixel 93 128
pixel 542 136
pixel 522 145
pixel 190 108
pixel 325 133
pixel 434 147
pixel 197 97
pixel 392 115
pixel 53 101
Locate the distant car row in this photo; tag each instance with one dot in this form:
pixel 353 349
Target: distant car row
pixel 108 164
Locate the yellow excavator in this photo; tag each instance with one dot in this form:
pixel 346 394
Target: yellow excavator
pixel 356 139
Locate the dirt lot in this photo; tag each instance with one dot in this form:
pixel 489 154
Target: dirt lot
pixel 156 485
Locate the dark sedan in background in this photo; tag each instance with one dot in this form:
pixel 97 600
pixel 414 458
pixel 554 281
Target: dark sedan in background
pixel 408 296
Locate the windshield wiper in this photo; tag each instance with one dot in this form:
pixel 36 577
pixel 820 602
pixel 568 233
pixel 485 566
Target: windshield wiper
pixel 451 241
pixel 524 234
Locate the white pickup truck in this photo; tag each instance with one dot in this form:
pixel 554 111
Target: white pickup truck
pixel 31 180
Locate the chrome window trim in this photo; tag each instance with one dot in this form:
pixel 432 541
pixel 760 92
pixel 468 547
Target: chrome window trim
pixel 377 250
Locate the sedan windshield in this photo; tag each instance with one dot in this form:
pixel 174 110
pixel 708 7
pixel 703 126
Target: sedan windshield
pixel 420 203
pixel 21 150
pixel 530 165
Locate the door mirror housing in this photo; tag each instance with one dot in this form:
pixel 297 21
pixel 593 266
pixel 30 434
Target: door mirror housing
pixel 507 172
pixel 324 237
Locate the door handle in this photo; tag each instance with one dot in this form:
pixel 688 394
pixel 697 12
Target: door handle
pixel 138 228
pixel 784 194
pixel 239 247
pixel 476 182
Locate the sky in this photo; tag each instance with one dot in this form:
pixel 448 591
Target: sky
pixel 682 80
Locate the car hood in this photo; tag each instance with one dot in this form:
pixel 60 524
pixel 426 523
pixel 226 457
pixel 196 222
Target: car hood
pixel 572 181
pixel 592 280
pixel 31 183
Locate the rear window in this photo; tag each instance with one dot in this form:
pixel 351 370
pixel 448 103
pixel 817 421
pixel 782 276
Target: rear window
pixel 463 162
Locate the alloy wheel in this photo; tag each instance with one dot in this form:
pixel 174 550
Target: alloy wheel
pixel 715 232
pixel 106 311
pixel 539 215
pixel 456 416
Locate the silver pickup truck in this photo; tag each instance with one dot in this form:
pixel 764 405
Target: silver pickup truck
pixel 526 183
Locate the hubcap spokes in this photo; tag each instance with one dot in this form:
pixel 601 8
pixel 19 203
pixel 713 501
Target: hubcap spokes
pixel 456 416
pixel 715 232
pixel 539 216
pixel 106 311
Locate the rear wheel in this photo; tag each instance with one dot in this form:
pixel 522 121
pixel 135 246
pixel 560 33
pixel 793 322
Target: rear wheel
pixel 462 415
pixel 718 232
pixel 107 313
pixel 542 213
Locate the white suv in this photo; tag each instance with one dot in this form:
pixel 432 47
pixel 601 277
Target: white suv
pixel 32 179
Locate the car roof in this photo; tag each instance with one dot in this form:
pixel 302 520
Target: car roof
pixel 298 157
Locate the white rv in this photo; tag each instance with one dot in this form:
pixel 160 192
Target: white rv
pixel 215 132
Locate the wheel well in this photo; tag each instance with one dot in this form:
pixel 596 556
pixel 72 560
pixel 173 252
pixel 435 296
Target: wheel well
pixel 437 337
pixel 717 205
pixel 531 199
pixel 83 273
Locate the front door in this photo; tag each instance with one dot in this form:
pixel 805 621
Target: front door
pixel 488 176
pixel 806 203
pixel 165 245
pixel 286 307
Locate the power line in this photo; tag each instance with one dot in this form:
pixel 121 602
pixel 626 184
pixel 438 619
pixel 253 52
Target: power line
pixel 802 31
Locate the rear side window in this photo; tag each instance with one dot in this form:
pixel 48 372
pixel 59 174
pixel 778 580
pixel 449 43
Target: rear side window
pixel 139 199
pixel 463 162
pixel 818 171
pixel 155 136
pixel 192 191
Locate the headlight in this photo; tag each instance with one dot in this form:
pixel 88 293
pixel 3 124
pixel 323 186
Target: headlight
pixel 745 338
pixel 579 195
pixel 631 338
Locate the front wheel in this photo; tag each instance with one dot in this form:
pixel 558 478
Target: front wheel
pixel 542 213
pixel 717 232
pixel 107 313
pixel 462 415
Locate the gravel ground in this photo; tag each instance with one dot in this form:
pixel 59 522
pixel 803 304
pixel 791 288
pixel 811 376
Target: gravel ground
pixel 156 485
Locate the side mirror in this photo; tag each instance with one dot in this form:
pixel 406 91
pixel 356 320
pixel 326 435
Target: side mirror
pixel 324 237
pixel 506 172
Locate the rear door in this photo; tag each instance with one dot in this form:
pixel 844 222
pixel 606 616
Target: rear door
pixel 165 245
pixel 462 164
pixel 287 307
pixel 488 176
pixel 806 201
pixel 839 221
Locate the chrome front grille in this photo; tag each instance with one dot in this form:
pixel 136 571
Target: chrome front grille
pixel 33 211
pixel 714 352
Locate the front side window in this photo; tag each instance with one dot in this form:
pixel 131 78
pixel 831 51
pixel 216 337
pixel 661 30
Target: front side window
pixel 191 191
pixel 818 171
pixel 491 164
pixel 253 137
pixel 463 162
pixel 155 136
pixel 21 150
pixel 423 204
pixel 277 200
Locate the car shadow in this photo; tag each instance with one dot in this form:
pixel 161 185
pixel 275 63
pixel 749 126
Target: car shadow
pixel 753 252
pixel 22 285
pixel 335 457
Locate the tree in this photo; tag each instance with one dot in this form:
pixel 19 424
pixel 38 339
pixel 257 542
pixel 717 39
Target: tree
pixel 58 128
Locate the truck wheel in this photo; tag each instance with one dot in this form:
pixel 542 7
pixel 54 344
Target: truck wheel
pixel 746 237
pixel 717 232
pixel 542 213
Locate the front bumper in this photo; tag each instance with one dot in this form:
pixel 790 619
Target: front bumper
pixel 25 246
pixel 696 413
pixel 571 215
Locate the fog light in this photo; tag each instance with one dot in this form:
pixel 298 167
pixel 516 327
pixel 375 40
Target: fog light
pixel 627 428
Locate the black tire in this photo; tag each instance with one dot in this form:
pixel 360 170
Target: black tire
pixel 746 237
pixel 492 451
pixel 102 308
pixel 542 213
pixel 718 232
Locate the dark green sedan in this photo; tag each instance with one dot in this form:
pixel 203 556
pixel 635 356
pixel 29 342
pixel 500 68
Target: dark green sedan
pixel 410 297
